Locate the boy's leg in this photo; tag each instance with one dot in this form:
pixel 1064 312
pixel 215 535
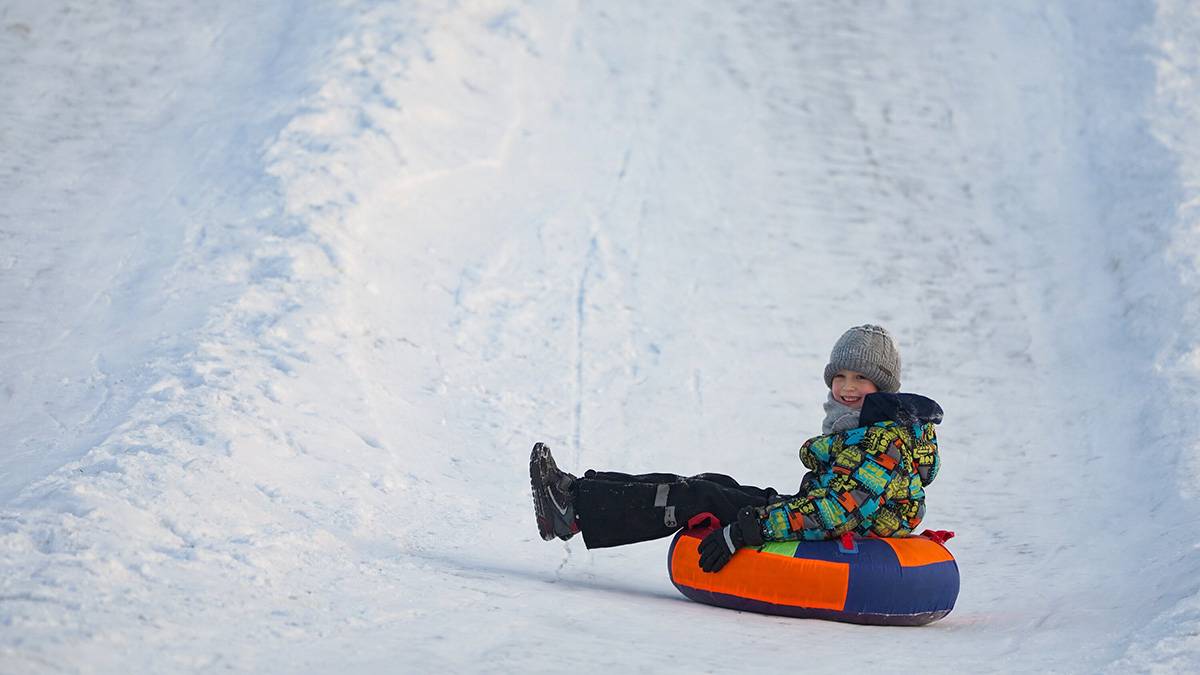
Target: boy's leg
pixel 718 478
pixel 618 477
pixel 768 494
pixel 615 509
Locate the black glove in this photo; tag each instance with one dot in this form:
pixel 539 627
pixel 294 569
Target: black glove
pixel 719 546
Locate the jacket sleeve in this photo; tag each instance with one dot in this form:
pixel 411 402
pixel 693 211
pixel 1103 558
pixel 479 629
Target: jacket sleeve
pixel 816 453
pixel 862 471
pixel 926 460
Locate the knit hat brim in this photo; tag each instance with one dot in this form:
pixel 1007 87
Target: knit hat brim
pixel 884 379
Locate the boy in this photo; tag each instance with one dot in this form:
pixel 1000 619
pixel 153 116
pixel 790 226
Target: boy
pixel 866 475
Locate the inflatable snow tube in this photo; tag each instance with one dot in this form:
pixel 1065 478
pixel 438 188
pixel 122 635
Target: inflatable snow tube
pixel 904 581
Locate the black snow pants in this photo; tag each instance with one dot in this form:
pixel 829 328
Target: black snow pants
pixel 616 508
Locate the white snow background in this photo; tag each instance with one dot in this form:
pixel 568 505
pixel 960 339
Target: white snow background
pixel 288 290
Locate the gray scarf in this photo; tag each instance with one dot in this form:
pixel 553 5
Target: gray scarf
pixel 838 417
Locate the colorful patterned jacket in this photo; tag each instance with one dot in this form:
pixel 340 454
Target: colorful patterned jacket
pixel 867 480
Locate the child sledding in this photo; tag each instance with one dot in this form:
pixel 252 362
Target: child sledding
pixel 866 474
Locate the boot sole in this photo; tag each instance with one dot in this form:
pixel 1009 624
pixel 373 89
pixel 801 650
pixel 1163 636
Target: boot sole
pixel 537 486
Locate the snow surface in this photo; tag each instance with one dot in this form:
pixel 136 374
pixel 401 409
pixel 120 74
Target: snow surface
pixel 287 291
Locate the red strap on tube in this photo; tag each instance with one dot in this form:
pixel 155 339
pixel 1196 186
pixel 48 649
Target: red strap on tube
pixel 940 536
pixel 697 521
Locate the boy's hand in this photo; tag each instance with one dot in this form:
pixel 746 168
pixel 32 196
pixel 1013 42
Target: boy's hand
pixel 719 546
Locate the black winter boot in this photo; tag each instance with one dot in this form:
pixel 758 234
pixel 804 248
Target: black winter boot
pixel 553 503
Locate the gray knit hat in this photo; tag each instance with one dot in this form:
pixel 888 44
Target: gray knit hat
pixel 869 350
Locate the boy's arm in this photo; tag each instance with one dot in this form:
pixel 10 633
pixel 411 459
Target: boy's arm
pixel 793 519
pixel 854 483
pixel 814 454
pixel 926 460
pixel 865 480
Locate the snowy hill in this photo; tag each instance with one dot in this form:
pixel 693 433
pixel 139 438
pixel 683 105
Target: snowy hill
pixel 287 293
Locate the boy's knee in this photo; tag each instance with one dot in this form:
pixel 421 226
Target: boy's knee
pixel 718 478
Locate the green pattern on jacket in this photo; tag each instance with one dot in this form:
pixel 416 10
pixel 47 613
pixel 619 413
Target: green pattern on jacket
pixel 868 480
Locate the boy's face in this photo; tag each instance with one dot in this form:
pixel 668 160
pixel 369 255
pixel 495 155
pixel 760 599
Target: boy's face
pixel 850 387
